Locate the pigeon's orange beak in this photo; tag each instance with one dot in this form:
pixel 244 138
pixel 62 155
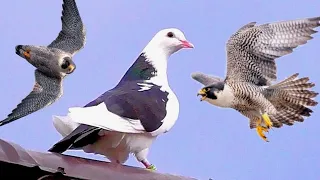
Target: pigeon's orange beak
pixel 186 44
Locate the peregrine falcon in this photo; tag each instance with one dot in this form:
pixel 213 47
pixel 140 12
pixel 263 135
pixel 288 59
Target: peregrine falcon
pixel 251 67
pixel 128 118
pixel 53 62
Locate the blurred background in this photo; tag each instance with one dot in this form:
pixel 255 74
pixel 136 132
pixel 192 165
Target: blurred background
pixel 206 142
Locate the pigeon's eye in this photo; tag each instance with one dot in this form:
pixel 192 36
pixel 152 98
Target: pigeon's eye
pixel 65 65
pixel 170 34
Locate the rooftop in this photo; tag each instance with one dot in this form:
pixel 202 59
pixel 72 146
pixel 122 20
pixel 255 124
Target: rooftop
pixel 16 161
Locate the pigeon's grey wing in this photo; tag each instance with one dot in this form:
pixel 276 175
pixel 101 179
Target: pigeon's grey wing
pixel 252 50
pixel 205 79
pixel 45 91
pixel 72 37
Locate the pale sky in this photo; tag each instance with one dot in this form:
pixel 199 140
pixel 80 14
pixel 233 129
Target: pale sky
pixel 206 142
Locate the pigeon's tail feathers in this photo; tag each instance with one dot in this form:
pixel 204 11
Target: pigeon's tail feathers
pixel 99 116
pixel 78 138
pixel 64 125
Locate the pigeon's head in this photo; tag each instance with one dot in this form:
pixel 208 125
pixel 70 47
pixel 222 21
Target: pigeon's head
pixel 211 92
pixel 50 61
pixel 170 40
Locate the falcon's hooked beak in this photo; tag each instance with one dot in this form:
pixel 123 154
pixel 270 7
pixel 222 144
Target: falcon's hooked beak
pixel 71 68
pixel 203 93
pixel 186 44
pixel 23 52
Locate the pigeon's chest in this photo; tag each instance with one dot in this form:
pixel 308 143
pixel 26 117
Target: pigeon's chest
pixel 172 113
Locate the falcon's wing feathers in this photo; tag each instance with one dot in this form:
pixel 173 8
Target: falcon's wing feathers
pixel 72 37
pixel 252 50
pixel 37 99
pixel 205 79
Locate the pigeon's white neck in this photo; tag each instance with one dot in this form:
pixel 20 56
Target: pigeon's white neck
pixel 158 57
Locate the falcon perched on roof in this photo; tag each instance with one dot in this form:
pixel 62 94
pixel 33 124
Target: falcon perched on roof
pixel 251 67
pixel 53 63
pixel 128 118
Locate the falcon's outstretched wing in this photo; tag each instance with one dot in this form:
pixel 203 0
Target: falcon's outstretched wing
pixel 252 50
pixel 72 37
pixel 45 91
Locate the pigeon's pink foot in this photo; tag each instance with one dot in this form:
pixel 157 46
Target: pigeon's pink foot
pixel 148 165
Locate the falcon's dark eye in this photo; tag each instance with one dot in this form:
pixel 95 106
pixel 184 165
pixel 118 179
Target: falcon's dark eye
pixel 170 34
pixel 65 64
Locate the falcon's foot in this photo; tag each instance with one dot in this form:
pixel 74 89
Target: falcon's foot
pixel 267 120
pixel 261 130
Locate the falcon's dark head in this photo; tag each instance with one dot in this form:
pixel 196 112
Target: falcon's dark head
pixel 211 91
pixel 67 65
pixel 50 61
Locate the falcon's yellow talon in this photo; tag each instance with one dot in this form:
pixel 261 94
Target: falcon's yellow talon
pixel 260 131
pixel 267 120
pixel 264 129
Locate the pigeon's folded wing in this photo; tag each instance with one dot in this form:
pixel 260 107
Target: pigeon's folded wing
pixel 129 112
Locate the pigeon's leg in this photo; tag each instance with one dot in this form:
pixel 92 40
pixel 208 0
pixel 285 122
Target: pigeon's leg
pixel 148 165
pixel 261 129
pixel 142 157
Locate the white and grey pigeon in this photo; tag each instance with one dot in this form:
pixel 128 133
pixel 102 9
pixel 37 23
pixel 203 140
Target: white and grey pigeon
pixel 53 62
pixel 128 118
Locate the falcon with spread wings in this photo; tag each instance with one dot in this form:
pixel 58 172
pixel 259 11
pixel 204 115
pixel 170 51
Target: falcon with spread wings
pixel 251 67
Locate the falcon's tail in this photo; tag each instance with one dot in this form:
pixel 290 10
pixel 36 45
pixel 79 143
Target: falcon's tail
pixel 291 97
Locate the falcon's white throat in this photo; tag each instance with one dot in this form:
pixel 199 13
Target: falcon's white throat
pixel 224 99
